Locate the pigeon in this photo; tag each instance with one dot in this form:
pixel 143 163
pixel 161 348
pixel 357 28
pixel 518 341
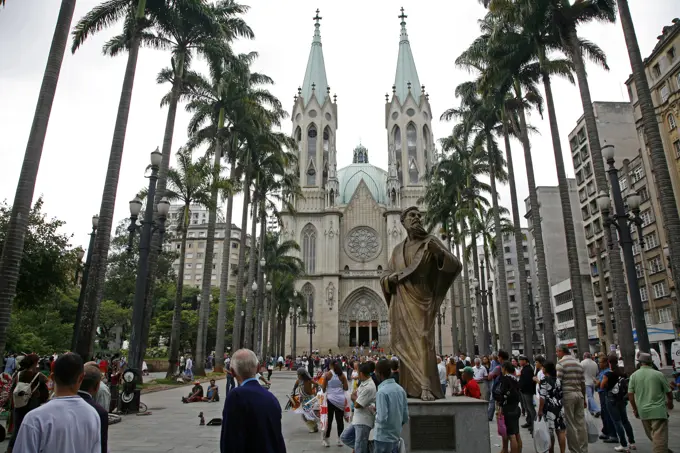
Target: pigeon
pixel 200 416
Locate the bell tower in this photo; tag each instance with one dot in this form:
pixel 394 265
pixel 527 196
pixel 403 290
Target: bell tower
pixel 315 125
pixel 408 121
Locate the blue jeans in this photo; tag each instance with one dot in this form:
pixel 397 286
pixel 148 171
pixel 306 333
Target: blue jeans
pixel 230 383
pixel 592 405
pixel 385 447
pixel 491 410
pixel 444 389
pixel 607 423
pixel 356 437
pixel 619 416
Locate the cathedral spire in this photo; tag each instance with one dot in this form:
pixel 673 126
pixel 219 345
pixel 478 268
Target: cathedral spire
pixel 406 79
pixel 315 76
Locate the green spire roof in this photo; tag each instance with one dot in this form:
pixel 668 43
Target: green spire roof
pixel 315 75
pixel 406 67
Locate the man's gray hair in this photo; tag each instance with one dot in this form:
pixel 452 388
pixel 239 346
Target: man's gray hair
pixel 564 348
pixel 478 360
pixel 244 362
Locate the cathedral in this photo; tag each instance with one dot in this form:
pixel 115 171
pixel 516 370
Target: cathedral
pixel 348 222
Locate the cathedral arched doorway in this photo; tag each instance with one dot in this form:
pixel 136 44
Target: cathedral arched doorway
pixel 363 319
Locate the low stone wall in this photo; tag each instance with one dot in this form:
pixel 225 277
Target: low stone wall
pixel 157 365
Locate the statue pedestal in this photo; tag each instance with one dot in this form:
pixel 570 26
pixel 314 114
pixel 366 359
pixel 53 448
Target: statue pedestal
pixel 454 424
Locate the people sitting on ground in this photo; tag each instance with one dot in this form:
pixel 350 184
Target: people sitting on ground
pixel 213 394
pixel 195 395
pixel 470 387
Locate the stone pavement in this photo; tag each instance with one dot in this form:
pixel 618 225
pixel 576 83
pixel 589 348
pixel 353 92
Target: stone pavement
pixel 173 427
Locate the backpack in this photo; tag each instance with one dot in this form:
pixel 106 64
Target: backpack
pixel 23 392
pixel 620 390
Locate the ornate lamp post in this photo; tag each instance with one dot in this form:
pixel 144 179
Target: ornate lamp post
pixel 147 228
pixel 250 343
pixel 441 319
pixel 532 315
pixel 311 327
pixel 473 303
pixel 621 220
pixel 80 253
pixel 294 311
pixel 485 314
pixel 83 281
pixel 489 290
pixel 265 329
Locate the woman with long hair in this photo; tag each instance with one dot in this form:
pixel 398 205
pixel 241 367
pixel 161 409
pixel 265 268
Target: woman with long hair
pixel 507 397
pixel 615 383
pixel 38 393
pixel 334 386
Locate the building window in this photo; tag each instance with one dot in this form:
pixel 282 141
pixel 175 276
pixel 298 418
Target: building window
pixel 643 294
pixel 308 294
pixel 201 245
pixel 637 174
pixel 508 261
pixel 656 70
pixel 638 270
pixel 515 324
pixel 411 137
pixel 659 289
pixel 514 311
pixel 665 314
pixel 190 245
pixel 202 234
pixel 188 265
pixel 234 245
pixel 511 285
pixel 199 255
pixel 648 318
pixel 664 92
pixel 655 265
pixel 563 298
pixel 651 240
pixel 191 235
pixel 566 315
pixel 676 147
pixel 311 156
pixel 199 266
pixel 671 122
pixel 309 248
pixel 397 149
pixel 646 217
pixel 510 274
pixel 670 54
pixel 189 255
pixel 506 249
pixel 644 195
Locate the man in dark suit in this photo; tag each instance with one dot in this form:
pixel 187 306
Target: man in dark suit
pixel 251 420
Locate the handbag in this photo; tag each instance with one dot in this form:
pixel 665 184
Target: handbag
pixel 502 429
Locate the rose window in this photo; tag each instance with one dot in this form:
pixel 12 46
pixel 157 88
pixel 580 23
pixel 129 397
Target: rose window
pixel 362 244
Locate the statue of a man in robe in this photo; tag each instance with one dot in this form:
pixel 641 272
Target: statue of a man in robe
pixel 419 274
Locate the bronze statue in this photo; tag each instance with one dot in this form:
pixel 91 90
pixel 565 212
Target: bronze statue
pixel 419 274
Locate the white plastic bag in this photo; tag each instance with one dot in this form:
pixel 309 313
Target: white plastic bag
pixel 591 427
pixel 541 436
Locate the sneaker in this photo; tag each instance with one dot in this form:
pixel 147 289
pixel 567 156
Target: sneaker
pixel 325 443
pixel 621 448
pixel 526 425
pixel 611 440
pixel 340 444
pixel 632 446
pixel 603 437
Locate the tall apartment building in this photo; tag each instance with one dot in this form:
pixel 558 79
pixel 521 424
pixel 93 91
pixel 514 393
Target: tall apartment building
pixel 562 301
pixel 557 262
pixel 195 254
pixel 654 277
pixel 517 265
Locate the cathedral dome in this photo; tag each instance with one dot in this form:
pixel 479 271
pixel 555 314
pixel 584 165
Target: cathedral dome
pixel 375 179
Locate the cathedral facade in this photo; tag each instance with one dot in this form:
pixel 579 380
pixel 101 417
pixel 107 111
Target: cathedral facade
pixel 348 222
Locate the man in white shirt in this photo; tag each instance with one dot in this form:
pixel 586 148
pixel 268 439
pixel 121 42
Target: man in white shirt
pixel 190 368
pixel 480 374
pixel 66 423
pixel 441 369
pixel 356 435
pixel 590 370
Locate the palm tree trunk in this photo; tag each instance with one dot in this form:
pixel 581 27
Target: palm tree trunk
pixel 452 298
pixel 503 311
pixel 282 336
pixel 224 280
pixel 161 186
pixel 482 329
pixel 98 265
pixel 469 336
pixel 175 333
pixel 259 316
pixel 252 268
pixel 12 252
pixel 238 327
pixel 669 208
pixel 580 324
pixel 524 299
pixel 206 295
pixel 272 349
pixel 461 295
pixel 541 267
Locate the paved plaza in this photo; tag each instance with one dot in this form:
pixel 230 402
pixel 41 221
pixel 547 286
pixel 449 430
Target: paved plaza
pixel 173 427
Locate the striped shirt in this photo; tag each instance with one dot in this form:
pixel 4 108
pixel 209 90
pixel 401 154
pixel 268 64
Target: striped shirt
pixel 570 373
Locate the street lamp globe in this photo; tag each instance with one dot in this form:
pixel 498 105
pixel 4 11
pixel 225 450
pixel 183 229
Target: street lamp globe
pixel 295 293
pixel 80 253
pixel 156 158
pixel 243 313
pixel 95 221
pixel 262 262
pixel 163 207
pixel 254 287
pixel 135 207
pixel 608 152
pixel 490 284
pixel 634 201
pixel 269 286
pixel 198 297
pixel 603 201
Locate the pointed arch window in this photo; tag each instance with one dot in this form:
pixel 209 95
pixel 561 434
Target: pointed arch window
pixel 311 156
pixel 397 150
pixel 426 146
pixel 671 122
pixel 309 248
pixel 308 294
pixel 411 138
pixel 326 153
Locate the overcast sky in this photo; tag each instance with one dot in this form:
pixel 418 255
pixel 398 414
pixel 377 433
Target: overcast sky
pixel 360 43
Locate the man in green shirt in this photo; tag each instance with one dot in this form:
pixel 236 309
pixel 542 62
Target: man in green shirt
pixel 651 398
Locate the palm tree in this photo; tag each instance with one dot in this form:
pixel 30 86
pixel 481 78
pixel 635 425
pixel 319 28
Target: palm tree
pixel 669 209
pixel 189 183
pixel 18 223
pixel 138 15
